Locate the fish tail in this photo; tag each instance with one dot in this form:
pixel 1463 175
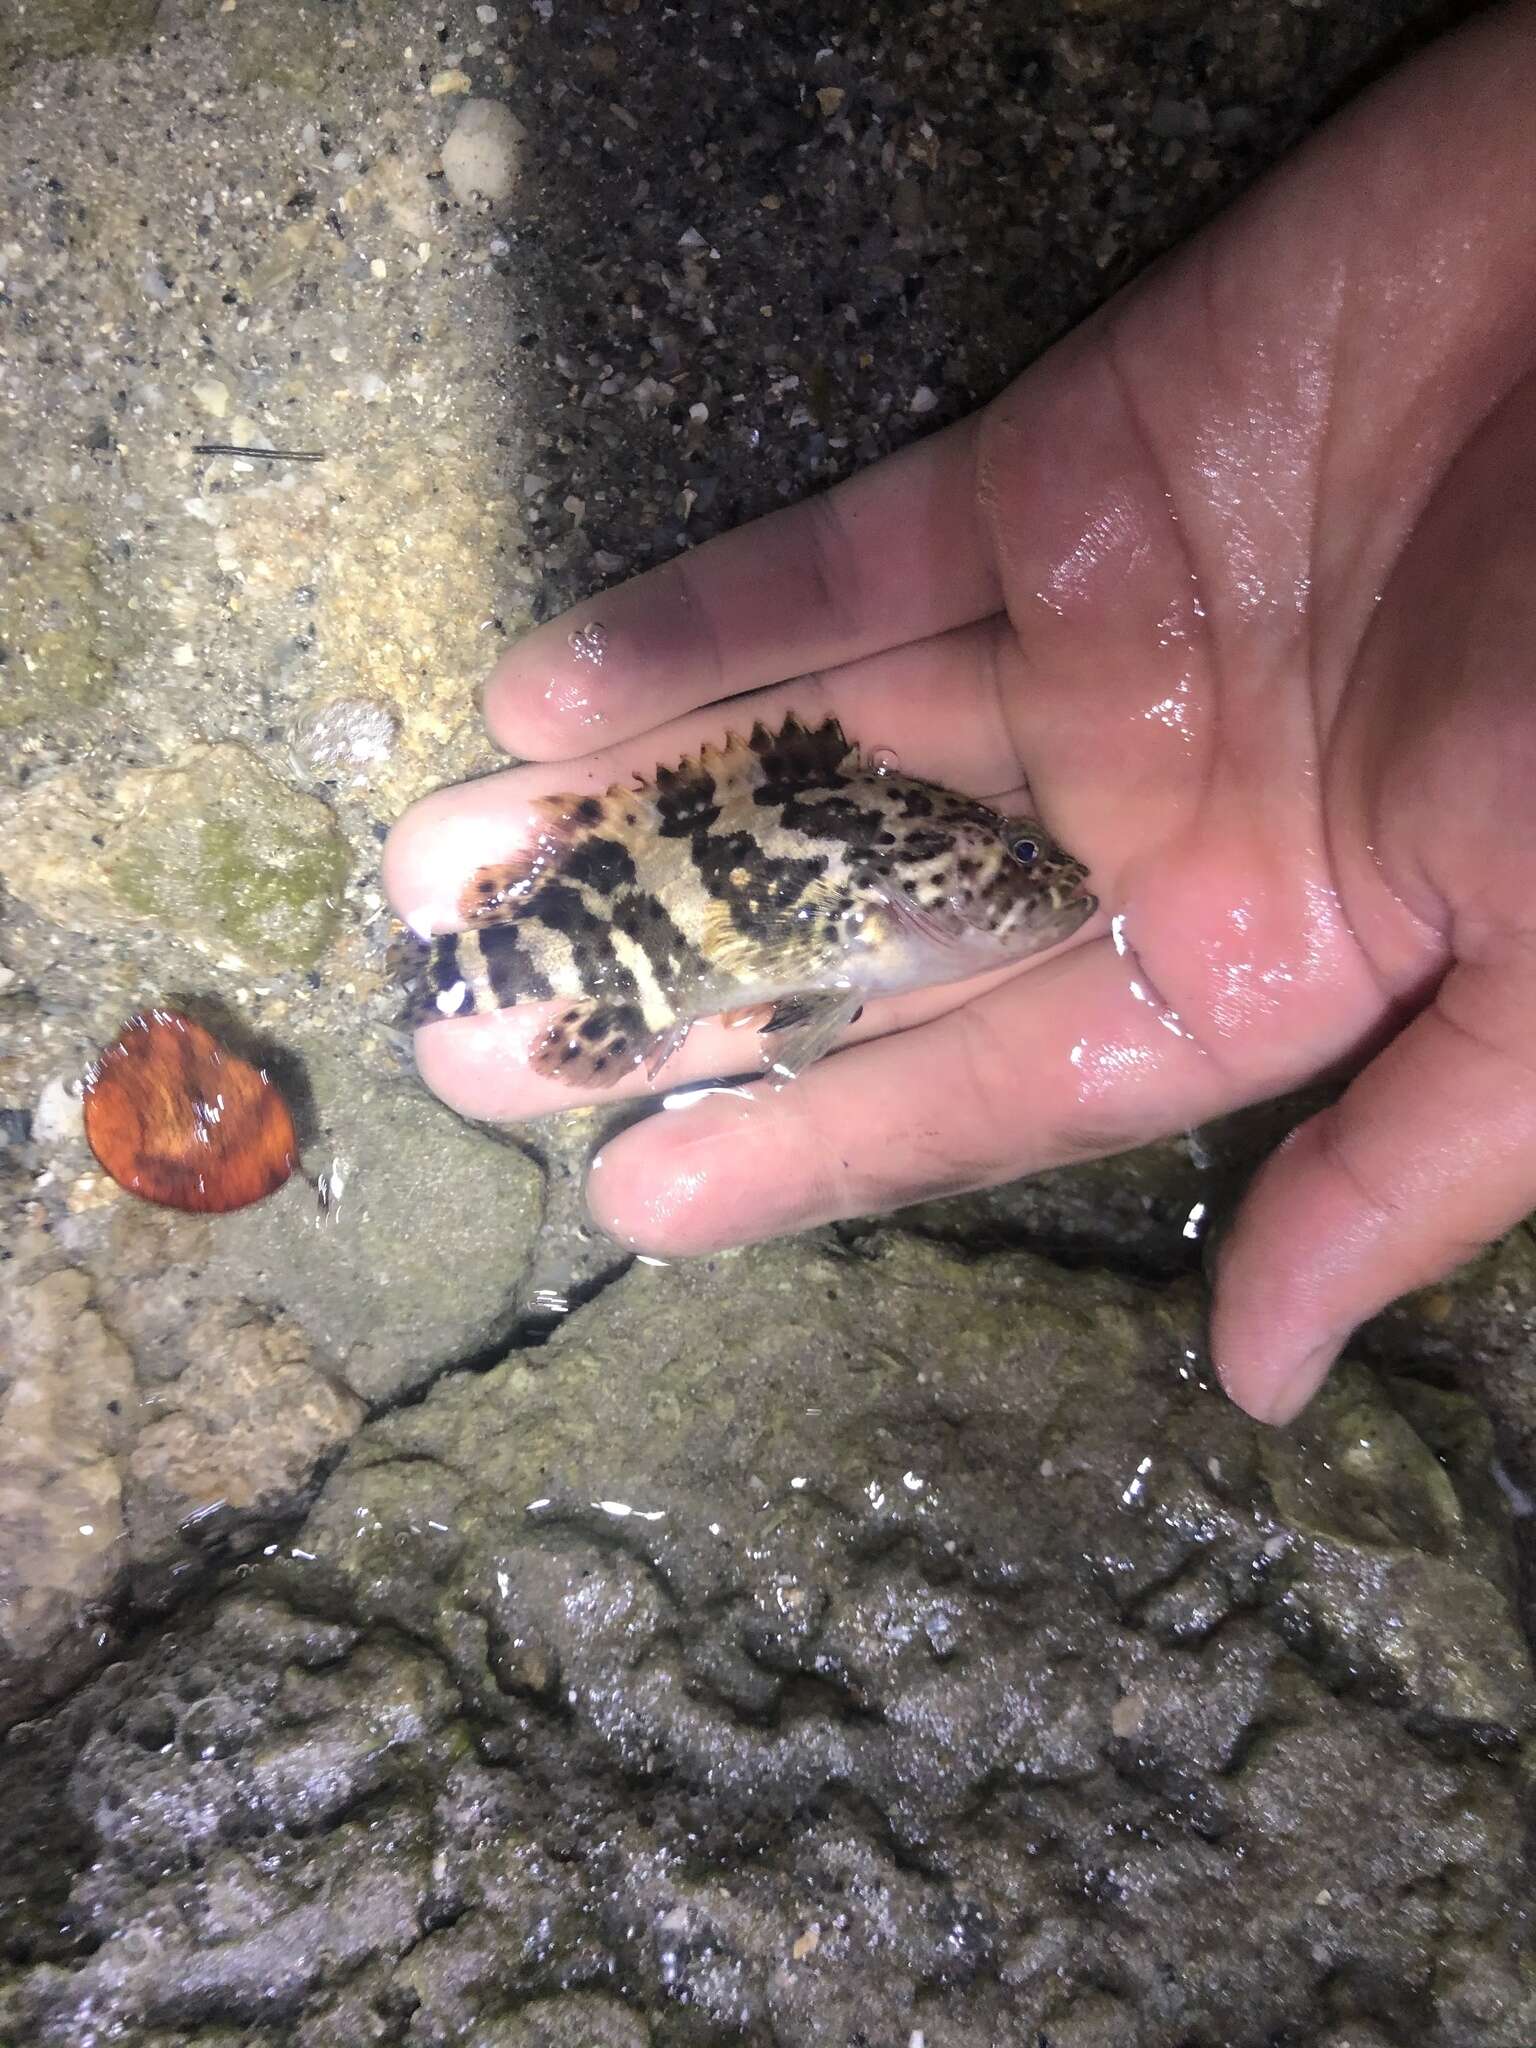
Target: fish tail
pixel 462 974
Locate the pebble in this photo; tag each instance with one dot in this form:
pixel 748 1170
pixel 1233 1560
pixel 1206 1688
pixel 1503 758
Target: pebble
pixel 212 396
pixel 482 155
pixel 922 400
pixel 346 736
pixel 444 82
pixel 59 1118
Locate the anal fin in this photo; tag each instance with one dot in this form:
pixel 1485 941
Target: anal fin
pixel 595 1044
pixel 803 1028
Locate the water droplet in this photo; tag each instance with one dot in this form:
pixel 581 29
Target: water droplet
pixel 588 642
pixel 884 761
pixel 209 1731
pixel 1132 1494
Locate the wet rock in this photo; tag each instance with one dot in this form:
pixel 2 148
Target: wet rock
pixel 67 1396
pixel 130 1456
pixel 292 48
pixel 169 1402
pixel 346 738
pixel 1476 1330
pixel 235 1440
pixel 818 1645
pixel 422 1257
pixel 215 851
pixel 220 851
pixel 576 2019
pixel 1149 1211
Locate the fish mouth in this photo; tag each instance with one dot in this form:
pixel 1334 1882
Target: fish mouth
pixel 1071 908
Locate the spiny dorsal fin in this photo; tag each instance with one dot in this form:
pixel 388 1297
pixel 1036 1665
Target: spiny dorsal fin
pixel 794 753
pixel 794 757
pixel 800 756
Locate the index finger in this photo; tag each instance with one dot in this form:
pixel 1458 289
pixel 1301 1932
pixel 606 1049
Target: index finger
pixel 897 553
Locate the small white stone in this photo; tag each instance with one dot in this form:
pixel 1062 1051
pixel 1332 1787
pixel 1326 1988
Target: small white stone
pixel 482 156
pixel 485 16
pixel 378 267
pixel 340 352
pixel 212 396
pixel 698 412
pixel 183 655
pixel 444 82
pixel 922 400
pixel 59 1118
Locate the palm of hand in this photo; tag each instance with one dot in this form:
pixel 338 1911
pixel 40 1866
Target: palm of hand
pixel 1238 580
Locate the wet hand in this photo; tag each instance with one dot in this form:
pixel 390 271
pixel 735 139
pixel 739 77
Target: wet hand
pixel 1240 581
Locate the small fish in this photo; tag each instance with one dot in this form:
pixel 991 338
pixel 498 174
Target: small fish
pixel 780 873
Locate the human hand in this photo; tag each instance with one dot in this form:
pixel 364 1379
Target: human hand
pixel 1241 579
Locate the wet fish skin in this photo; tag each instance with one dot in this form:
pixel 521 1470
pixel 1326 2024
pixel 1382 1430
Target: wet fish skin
pixel 781 871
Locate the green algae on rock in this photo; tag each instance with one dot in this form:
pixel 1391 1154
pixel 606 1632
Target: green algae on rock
pixel 74 28
pixel 217 848
pixel 213 851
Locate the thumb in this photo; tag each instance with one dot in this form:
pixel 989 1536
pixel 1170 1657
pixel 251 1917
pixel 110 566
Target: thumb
pixel 1429 1156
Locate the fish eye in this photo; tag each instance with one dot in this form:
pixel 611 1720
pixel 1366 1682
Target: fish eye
pixel 1026 852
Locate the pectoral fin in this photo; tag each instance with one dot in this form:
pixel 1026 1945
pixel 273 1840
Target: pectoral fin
pixel 804 1027
pixel 592 1045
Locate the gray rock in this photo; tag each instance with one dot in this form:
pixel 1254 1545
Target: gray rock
pixel 424 1253
pixel 126 1460
pixel 67 1392
pixel 809 1645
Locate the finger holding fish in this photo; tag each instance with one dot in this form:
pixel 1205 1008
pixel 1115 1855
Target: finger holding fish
pixel 894 554
pixel 890 703
pixel 935 1110
pixel 783 869
pixel 482 1066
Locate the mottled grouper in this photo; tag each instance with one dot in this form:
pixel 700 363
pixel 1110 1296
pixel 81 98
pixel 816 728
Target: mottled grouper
pixel 781 873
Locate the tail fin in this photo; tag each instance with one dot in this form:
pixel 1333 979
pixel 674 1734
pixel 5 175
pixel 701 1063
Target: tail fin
pixel 461 974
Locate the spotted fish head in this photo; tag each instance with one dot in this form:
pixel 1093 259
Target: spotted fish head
pixel 959 875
